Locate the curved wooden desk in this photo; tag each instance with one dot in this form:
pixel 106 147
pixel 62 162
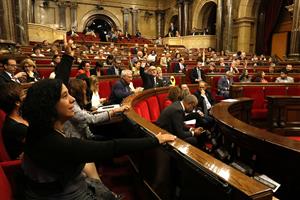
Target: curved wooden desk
pixel 275 155
pixel 240 185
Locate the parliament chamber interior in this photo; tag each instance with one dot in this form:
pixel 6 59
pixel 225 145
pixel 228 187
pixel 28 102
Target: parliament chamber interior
pixel 150 99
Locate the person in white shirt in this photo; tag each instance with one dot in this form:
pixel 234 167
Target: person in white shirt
pixel 284 78
pixel 96 100
pixel 37 52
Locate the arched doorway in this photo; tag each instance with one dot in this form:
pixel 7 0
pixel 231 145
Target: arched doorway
pixel 100 24
pixel 207 18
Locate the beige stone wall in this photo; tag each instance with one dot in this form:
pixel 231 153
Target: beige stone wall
pixel 38 33
pixel 197 41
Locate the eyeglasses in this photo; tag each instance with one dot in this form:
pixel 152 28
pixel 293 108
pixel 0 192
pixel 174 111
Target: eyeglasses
pixel 12 65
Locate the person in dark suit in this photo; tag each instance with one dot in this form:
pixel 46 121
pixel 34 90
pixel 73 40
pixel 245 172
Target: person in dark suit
pixel 121 89
pixel 8 74
pixel 205 102
pixel 115 68
pixel 172 30
pixel 224 84
pixel 172 120
pixel 149 77
pixel 180 66
pixel 197 73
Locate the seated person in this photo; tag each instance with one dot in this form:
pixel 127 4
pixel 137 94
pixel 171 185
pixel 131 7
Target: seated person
pixel 284 78
pixel 244 77
pixel 115 68
pixel 224 84
pixel 29 68
pixel 52 163
pixel 172 120
pixel 180 66
pixel 161 81
pixel 197 73
pixel 174 94
pixel 37 52
pixel 260 77
pixel 121 89
pixel 84 68
pixel 205 102
pixel 149 77
pixel 8 74
pixel 15 127
pixel 96 101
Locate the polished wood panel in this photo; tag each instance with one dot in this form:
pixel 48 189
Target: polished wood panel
pixel 194 159
pixel 284 114
pixel 273 153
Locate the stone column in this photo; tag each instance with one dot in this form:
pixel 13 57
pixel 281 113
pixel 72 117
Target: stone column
pixel 126 13
pixel 73 13
pixel 186 17
pixel 29 7
pixel 21 26
pixel 62 15
pixel 244 27
pixel 160 21
pixel 219 30
pixel 134 20
pixel 295 35
pixel 180 17
pixel 228 20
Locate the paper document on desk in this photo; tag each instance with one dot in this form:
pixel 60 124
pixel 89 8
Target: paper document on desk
pixel 190 122
pixel 229 100
pixel 107 108
pixel 267 181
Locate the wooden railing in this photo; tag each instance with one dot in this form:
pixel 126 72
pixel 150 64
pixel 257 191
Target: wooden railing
pixel 195 174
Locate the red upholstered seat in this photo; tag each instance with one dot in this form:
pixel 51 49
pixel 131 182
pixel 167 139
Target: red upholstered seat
pixel 172 67
pixel 177 80
pixel 294 138
pixel 137 82
pixel 7 183
pixel 167 103
pixel 161 100
pixel 3 153
pixel 293 91
pixel 259 110
pixel 154 108
pixel 5 188
pixel 143 110
pixel 275 90
pixel 104 89
pixel 42 61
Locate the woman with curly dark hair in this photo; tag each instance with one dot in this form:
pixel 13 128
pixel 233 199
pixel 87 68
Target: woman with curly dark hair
pixel 15 127
pixel 52 162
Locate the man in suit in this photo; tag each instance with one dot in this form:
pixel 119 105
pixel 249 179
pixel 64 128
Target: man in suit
pixel 205 102
pixel 172 31
pixel 121 89
pixel 180 66
pixel 8 74
pixel 197 73
pixel 172 120
pixel 224 84
pixel 115 69
pixel 149 77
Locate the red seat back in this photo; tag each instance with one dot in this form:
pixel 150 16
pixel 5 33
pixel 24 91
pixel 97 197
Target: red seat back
pixel 104 89
pixel 293 91
pixel 5 187
pixel 275 90
pixel 161 100
pixel 154 108
pixel 137 82
pixel 3 153
pixel 143 110
pixel 257 93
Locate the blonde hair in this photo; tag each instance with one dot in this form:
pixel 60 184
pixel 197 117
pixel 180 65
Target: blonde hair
pixel 93 81
pixel 27 61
